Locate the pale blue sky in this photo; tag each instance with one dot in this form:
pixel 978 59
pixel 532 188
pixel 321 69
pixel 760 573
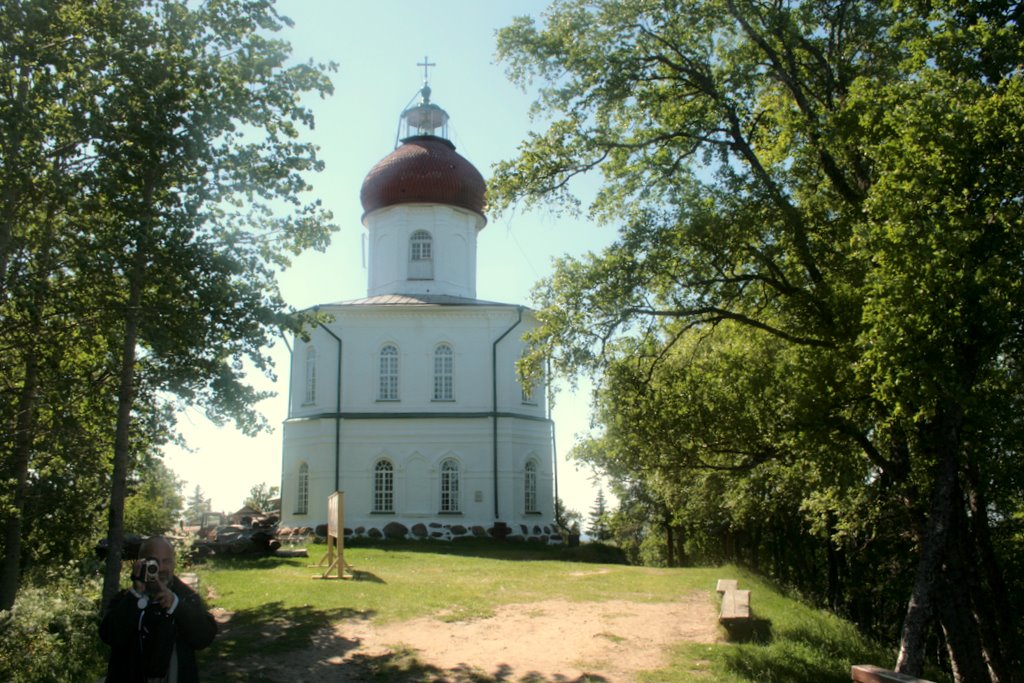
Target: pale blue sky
pixel 377 46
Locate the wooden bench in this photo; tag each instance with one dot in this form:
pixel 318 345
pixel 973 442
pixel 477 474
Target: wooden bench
pixel 867 673
pixel 735 606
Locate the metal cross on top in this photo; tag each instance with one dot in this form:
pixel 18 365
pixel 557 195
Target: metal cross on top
pixel 426 64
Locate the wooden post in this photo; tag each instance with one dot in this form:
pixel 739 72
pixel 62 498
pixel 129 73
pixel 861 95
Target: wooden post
pixel 335 557
pixel 868 673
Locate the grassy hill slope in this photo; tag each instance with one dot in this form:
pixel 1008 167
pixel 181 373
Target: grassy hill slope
pixel 277 608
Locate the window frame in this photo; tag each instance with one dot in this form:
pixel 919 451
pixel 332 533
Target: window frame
pixel 302 490
pixel 530 487
pixel 383 487
pixel 444 377
pixel 421 255
pixel 450 502
pixel 388 377
pixel 309 393
pixel 421 246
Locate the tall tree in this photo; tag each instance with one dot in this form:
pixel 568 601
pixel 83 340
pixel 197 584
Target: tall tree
pixel 567 520
pixel 188 172
pixel 196 505
pixel 207 120
pixel 835 176
pixel 154 503
pixel 49 86
pixel 598 518
pixel 261 497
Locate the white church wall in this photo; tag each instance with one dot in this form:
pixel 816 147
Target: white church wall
pixel 310 442
pixel 416 333
pixel 416 448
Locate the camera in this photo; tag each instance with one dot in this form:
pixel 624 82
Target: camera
pixel 150 570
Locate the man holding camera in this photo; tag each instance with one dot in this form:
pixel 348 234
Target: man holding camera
pixel 155 627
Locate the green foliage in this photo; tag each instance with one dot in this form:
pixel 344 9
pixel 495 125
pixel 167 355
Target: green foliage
pixel 154 180
pixel 597 528
pixel 567 520
pixel 806 337
pixel 197 504
pixel 154 506
pixel 51 634
pixel 260 497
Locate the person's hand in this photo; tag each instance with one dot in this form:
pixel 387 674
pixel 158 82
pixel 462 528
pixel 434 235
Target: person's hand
pixel 161 595
pixel 137 583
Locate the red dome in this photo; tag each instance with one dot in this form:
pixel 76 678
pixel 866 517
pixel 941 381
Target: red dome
pixel 424 169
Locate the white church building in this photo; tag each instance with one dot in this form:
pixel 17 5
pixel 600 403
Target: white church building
pixel 408 400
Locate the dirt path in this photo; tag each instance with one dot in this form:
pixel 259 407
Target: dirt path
pixel 554 640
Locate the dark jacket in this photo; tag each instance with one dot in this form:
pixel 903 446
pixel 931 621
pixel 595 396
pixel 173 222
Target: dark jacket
pixel 190 628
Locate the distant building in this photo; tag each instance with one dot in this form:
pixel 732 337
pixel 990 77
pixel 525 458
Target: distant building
pixel 409 400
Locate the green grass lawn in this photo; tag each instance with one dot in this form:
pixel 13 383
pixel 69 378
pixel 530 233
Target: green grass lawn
pixel 279 609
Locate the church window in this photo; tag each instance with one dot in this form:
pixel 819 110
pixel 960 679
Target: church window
pixel 530 486
pixel 421 256
pixel 388 390
pixel 449 486
pixel 444 373
pixel 420 246
pixel 384 487
pixel 310 393
pixel 302 492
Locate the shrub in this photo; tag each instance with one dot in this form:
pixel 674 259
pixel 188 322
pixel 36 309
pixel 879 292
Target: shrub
pixel 51 633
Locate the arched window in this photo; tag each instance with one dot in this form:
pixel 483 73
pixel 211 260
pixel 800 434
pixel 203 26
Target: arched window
pixel 310 393
pixel 449 486
pixel 383 487
pixel 530 486
pixel 302 491
pixel 421 256
pixel 388 390
pixel 444 389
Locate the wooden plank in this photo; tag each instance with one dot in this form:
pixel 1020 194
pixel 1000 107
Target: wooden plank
pixel 725 585
pixel 735 605
pixel 868 673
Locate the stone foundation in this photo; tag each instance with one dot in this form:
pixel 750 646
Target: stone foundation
pixel 538 533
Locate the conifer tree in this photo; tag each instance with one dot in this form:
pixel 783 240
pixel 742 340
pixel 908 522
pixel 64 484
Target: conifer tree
pixel 597 529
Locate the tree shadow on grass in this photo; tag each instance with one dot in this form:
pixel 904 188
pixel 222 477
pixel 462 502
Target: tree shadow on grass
pixel 258 644
pixel 274 644
pixel 493 549
pixel 404 667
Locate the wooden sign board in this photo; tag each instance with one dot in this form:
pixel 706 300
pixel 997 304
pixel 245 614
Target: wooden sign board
pixel 337 567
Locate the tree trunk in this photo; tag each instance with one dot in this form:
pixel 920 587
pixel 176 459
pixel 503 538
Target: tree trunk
pixel 10 571
pixel 12 194
pixel 832 590
pixel 914 636
pixel 671 546
pixel 125 401
pixel 956 608
pixel 1000 636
